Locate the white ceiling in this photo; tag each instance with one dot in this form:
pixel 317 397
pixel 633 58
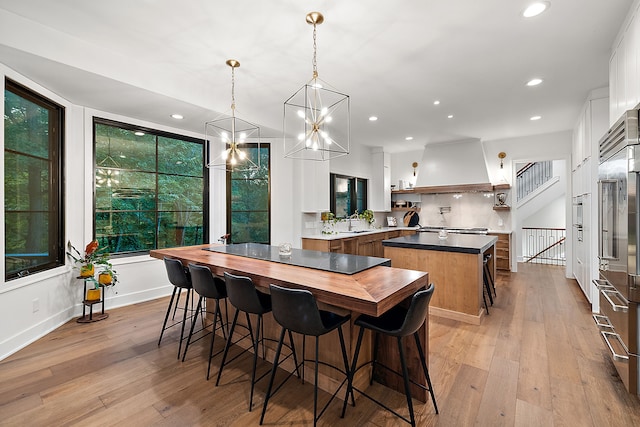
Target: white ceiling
pixel 150 58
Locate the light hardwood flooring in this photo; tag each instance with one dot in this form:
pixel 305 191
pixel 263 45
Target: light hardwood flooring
pixel 537 360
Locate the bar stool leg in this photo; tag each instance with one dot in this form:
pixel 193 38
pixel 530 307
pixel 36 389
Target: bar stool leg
pixel 295 358
pixel 184 320
pixel 493 283
pixel 405 376
pixel 354 365
pixel 227 345
pixel 193 325
pixel 166 317
pixel 425 369
pixel 256 344
pixel 213 335
pixel 346 362
pixel 273 373
pixel 315 385
pixel 375 356
pixel 487 287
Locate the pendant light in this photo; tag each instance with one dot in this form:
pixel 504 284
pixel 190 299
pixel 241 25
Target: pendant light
pixel 231 135
pixel 316 117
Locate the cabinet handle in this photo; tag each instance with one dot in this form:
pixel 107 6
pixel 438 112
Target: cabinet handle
pixel 617 357
pixel 602 284
pixel 615 307
pixel 602 322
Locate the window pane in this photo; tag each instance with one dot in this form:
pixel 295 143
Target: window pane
pixel 142 204
pixel 250 195
pixel 121 149
pixel 343 197
pixel 248 200
pixel 179 157
pixel 31 175
pixel 250 227
pixel 361 195
pixel 26 126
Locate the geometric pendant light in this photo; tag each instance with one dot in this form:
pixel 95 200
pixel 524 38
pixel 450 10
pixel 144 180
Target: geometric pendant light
pixel 230 136
pixel 316 117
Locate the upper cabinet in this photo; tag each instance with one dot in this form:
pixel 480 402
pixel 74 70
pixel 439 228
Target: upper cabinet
pixel 624 69
pixel 380 188
pixel 315 184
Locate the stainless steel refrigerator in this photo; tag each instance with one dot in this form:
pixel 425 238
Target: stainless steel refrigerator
pixel 619 264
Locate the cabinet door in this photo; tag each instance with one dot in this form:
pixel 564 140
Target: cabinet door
pixel 315 186
pixel 380 188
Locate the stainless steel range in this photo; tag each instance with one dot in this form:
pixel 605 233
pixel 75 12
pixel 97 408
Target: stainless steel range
pixel 618 242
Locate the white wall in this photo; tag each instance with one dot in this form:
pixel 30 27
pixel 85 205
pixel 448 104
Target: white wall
pixel 550 216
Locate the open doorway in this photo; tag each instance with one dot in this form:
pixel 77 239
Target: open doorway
pixel 540 212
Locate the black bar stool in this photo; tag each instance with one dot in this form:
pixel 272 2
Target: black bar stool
pixel 398 322
pixel 180 279
pixel 487 271
pixel 244 296
pixel 207 286
pixel 296 310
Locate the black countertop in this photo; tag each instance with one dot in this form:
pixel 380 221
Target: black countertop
pixel 465 243
pixel 327 261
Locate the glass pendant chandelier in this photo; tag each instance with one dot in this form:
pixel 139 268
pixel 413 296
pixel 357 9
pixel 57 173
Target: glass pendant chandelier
pixel 316 117
pixel 231 136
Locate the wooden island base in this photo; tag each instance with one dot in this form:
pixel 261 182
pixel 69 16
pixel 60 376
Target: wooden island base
pixel 455 267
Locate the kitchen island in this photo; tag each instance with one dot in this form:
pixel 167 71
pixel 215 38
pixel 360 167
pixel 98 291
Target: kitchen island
pixel 455 266
pixel 370 291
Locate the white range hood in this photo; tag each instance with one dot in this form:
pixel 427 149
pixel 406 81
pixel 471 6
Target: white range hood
pixel 453 163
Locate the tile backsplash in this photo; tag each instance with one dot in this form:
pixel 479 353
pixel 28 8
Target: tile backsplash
pixel 466 210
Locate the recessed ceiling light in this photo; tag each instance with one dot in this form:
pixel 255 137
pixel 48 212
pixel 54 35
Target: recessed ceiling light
pixel 534 82
pixel 436 102
pixel 138 133
pixel 535 9
pixel 373 118
pixel 450 116
pixel 409 138
pixel 177 116
pixel 534 118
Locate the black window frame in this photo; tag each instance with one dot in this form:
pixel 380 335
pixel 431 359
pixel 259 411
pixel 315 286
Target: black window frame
pixel 354 194
pixel 157 133
pixel 56 195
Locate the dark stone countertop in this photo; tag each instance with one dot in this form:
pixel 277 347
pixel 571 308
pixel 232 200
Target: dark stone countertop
pixel 327 261
pixel 465 243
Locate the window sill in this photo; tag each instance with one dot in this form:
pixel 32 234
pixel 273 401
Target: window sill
pixel 34 278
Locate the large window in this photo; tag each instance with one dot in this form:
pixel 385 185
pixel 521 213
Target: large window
pixel 33 140
pixel 248 200
pixel 348 195
pixel 150 189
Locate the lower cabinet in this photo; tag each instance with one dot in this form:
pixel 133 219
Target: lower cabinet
pixel 366 245
pixel 503 251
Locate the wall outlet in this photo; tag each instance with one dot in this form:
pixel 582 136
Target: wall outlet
pixel 36 305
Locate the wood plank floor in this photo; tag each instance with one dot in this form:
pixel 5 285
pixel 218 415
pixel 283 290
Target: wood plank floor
pixel 537 360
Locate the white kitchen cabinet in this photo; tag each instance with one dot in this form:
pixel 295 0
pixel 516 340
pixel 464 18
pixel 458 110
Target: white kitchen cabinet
pixel 314 177
pixel 380 184
pixel 624 67
pixel 590 127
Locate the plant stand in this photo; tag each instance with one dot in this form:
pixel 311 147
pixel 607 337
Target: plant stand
pixel 89 318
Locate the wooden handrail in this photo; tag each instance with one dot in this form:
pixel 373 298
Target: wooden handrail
pixel 546 249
